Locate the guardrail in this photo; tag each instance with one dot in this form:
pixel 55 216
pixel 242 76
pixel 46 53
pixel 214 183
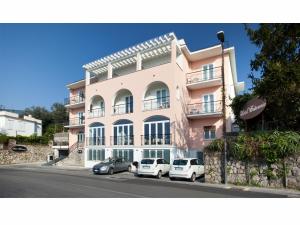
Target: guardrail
pixel 203 75
pixel 122 140
pixel 204 108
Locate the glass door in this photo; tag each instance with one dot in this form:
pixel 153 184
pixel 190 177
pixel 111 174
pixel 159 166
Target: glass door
pixel 209 104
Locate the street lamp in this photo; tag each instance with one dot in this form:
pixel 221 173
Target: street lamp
pixel 221 38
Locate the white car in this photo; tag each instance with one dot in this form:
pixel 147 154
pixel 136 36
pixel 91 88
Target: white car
pixel 153 167
pixel 188 168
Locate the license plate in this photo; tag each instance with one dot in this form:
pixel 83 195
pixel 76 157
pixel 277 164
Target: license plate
pixel 178 168
pixel 146 167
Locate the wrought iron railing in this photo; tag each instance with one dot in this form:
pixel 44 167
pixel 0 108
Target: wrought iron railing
pixel 122 140
pixel 157 103
pixel 203 75
pixel 156 139
pixel 95 113
pixel 95 141
pixel 123 108
pixel 76 121
pixel 74 100
pixel 211 107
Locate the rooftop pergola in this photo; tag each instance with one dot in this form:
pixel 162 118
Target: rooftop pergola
pixel 146 50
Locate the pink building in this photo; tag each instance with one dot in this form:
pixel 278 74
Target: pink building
pixel 155 99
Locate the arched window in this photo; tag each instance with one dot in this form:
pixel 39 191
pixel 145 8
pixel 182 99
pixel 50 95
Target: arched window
pixel 96 134
pixel 123 133
pixel 96 107
pixel 123 102
pixel 157 131
pixel 156 96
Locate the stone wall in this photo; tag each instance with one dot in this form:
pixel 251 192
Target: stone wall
pixel 35 153
pixel 256 173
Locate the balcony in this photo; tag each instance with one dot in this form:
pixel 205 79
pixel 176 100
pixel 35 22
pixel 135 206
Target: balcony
pixel 76 101
pixel 204 78
pixel 122 140
pixel 204 110
pixel 123 108
pixel 76 122
pixel 156 139
pixel 95 141
pixel 156 103
pixel 96 113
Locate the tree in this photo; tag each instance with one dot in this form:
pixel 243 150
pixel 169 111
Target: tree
pixel 40 113
pixel 278 64
pixel 59 113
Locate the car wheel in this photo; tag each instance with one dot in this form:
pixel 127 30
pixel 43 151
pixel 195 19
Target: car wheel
pixel 129 168
pixel 111 171
pixel 158 176
pixel 193 177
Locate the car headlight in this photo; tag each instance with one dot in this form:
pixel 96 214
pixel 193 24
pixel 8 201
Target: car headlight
pixel 103 168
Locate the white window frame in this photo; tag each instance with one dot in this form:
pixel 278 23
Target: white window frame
pixel 210 131
pixel 208 71
pixel 209 103
pixel 163 122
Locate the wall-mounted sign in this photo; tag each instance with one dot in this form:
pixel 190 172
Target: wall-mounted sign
pixel 252 108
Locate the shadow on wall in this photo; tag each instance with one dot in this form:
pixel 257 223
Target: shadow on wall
pixel 190 133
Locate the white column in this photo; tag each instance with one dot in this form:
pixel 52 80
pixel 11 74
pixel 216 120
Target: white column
pixel 109 71
pixel 87 78
pixel 138 61
pixel 173 51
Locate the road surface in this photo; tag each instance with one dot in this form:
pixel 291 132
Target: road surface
pixel 58 183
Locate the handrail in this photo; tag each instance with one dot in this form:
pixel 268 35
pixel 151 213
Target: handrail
pixel 77 121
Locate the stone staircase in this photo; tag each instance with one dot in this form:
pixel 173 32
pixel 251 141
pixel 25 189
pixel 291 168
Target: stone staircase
pixel 74 158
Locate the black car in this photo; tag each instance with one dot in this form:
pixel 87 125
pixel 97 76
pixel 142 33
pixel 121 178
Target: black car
pixel 111 165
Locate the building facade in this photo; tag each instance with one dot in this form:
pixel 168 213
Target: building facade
pixel 155 99
pixel 11 124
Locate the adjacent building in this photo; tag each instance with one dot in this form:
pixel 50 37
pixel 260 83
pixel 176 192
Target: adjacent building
pixel 12 124
pixel 154 99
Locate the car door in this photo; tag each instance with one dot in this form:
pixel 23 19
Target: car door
pixel 118 165
pixel 194 166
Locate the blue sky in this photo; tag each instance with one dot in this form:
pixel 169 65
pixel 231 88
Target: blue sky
pixel 38 60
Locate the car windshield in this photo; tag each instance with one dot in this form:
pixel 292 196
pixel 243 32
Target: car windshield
pixel 180 162
pixel 147 161
pixel 108 160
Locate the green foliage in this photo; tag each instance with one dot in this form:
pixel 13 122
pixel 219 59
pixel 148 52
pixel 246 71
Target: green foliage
pixel 277 65
pixel 271 147
pixel 216 145
pixel 237 105
pixel 52 120
pixel 33 139
pixel 3 139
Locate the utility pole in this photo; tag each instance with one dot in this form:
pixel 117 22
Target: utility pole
pixel 221 38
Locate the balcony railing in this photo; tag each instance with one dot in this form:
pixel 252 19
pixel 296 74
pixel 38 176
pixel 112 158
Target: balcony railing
pixel 123 108
pixel 204 75
pixel 122 140
pixel 77 121
pixel 204 108
pixel 95 141
pixel 157 103
pixel 156 139
pixel 74 100
pixel 95 113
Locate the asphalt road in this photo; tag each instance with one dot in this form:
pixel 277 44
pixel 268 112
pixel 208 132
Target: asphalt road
pixel 55 183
